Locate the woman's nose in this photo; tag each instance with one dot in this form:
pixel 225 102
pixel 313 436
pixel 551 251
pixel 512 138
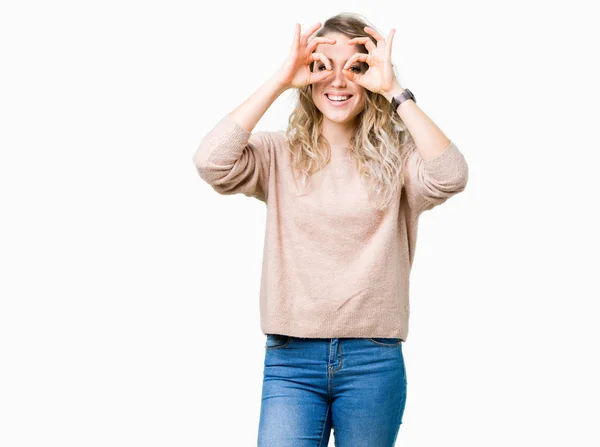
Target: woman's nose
pixel 339 78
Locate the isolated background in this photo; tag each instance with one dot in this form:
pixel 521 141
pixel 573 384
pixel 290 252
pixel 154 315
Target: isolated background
pixel 129 288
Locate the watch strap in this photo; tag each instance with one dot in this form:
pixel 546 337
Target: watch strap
pixel 399 99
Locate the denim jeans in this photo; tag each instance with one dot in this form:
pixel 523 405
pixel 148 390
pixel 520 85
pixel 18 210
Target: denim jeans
pixel 355 386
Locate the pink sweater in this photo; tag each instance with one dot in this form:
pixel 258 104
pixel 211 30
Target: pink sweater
pixel 333 266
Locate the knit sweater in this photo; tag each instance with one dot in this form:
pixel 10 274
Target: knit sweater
pixel 333 265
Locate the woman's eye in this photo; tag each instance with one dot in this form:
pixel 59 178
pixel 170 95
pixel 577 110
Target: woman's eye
pixel 354 67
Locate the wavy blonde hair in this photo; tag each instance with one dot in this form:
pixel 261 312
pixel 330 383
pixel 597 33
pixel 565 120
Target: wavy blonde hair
pixel 380 144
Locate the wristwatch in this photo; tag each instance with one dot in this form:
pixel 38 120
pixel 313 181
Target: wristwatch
pixel 399 99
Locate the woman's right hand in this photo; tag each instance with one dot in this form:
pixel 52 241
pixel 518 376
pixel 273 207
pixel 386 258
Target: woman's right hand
pixel 295 72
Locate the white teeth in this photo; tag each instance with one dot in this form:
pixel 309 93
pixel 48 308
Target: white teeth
pixel 338 98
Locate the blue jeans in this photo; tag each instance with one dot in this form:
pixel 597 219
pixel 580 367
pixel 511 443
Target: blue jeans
pixel 357 386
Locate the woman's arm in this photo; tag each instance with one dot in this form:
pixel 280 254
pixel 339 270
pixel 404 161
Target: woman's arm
pixel 437 170
pixel 230 157
pixel 428 137
pixel 249 113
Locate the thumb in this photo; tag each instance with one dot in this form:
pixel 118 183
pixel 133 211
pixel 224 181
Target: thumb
pixel 322 75
pixel 350 74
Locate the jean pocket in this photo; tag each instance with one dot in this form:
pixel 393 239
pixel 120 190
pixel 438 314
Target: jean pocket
pixel 380 341
pixel 277 341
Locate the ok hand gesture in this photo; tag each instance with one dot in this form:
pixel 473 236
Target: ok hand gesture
pixel 379 77
pixel 295 72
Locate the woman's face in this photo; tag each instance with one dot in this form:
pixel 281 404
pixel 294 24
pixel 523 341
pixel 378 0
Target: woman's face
pixel 337 84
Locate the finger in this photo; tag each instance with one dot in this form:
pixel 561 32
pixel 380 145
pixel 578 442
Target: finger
pixel 296 41
pixel 320 57
pixel 366 41
pixel 378 37
pixel 350 74
pixel 310 31
pixel 295 48
pixel 318 40
pixel 362 57
pixel 320 75
pixel 389 43
pixel 322 39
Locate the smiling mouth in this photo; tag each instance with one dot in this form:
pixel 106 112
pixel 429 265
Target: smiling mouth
pixel 338 102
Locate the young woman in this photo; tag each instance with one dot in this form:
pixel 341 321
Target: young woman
pixel 344 187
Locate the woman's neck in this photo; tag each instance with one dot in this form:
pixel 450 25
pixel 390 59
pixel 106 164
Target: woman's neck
pixel 338 134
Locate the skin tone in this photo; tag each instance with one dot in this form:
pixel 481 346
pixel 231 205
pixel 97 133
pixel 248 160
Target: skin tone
pixel 379 78
pixel 339 121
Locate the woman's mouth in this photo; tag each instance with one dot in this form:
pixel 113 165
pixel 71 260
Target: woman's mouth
pixel 338 100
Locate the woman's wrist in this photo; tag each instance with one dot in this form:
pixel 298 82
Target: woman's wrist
pixel 394 91
pixel 277 85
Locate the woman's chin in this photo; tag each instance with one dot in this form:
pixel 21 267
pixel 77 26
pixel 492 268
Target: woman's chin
pixel 339 117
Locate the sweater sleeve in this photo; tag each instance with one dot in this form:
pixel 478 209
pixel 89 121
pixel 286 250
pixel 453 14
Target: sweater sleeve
pixel 432 182
pixel 233 160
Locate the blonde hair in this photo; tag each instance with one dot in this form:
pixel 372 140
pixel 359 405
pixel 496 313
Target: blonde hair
pixel 381 142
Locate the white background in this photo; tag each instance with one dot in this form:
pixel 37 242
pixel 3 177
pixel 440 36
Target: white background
pixel 129 288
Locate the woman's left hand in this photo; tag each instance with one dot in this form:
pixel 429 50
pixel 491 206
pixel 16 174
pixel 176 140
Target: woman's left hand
pixel 379 78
